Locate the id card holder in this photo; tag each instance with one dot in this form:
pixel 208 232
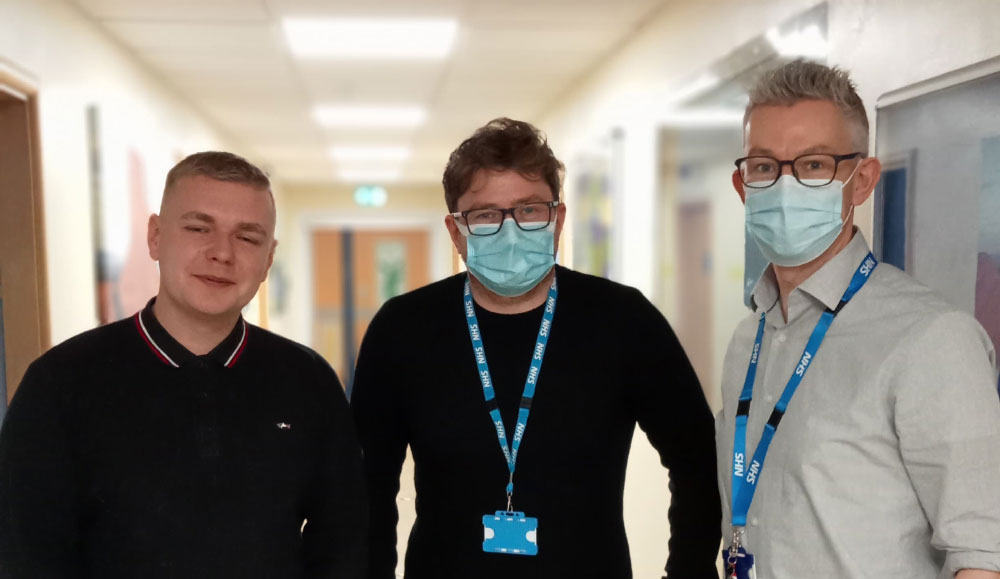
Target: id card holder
pixel 510 533
pixel 740 565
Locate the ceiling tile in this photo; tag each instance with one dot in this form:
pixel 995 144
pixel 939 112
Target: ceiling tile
pixel 394 8
pixel 229 59
pixel 564 13
pixel 389 83
pixel 181 10
pixel 198 37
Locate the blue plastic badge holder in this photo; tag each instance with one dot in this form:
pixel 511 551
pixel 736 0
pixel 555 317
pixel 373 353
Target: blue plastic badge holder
pixel 742 566
pixel 510 533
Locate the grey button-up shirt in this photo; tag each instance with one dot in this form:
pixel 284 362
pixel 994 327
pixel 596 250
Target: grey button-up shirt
pixel 887 461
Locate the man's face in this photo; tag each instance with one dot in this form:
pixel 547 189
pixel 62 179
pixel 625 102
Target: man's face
pixel 215 243
pixel 502 190
pixel 809 126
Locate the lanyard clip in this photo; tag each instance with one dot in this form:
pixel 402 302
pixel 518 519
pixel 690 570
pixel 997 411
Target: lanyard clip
pixel 510 494
pixel 734 547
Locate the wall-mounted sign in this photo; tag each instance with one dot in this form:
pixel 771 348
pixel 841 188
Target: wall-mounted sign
pixel 370 196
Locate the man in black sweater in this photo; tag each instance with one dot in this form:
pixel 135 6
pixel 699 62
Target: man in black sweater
pixel 183 442
pixel 450 370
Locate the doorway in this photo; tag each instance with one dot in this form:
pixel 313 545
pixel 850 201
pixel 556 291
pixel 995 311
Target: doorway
pixel 695 323
pixel 23 291
pixel 355 272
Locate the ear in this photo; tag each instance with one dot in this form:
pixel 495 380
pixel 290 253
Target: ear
pixel 153 237
pixel 738 185
pixel 865 180
pixel 457 239
pixel 270 259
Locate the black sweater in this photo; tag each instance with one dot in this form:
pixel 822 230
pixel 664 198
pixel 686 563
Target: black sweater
pixel 114 463
pixel 612 360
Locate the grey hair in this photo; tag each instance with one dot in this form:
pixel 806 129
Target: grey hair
pixel 801 80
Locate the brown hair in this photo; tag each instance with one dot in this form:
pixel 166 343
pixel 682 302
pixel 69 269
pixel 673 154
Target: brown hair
pixel 802 80
pixel 501 145
pixel 220 166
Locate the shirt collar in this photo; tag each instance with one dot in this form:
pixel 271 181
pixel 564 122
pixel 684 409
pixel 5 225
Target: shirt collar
pixel 827 284
pixel 765 294
pixel 171 352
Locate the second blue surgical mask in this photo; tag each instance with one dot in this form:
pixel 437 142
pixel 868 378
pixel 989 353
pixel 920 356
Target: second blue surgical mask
pixel 793 223
pixel 512 261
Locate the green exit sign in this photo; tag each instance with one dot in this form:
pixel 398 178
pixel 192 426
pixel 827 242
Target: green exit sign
pixel 370 196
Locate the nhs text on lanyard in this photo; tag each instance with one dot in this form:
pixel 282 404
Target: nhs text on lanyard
pixel 510 532
pixel 746 477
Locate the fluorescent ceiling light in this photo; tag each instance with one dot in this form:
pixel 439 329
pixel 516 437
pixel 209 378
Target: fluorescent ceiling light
pixel 369 153
pixel 807 42
pixel 370 116
pixel 370 38
pixel 369 175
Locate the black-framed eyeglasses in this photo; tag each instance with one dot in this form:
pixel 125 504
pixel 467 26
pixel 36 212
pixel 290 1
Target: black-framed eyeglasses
pixel 529 217
pixel 813 170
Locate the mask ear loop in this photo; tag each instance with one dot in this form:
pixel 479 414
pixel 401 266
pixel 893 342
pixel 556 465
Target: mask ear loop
pixel 853 173
pixel 850 211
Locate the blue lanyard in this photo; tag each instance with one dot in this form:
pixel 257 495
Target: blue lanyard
pixel 745 477
pixel 510 452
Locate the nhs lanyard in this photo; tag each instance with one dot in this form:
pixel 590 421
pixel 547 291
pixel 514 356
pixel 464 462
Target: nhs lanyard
pixel 510 452
pixel 745 478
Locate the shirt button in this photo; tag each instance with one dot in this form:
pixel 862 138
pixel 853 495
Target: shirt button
pixel 753 521
pixel 781 338
pixel 769 398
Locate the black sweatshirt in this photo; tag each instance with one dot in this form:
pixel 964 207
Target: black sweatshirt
pixel 612 360
pixel 114 463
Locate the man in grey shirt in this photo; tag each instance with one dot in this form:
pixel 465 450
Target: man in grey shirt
pixel 886 461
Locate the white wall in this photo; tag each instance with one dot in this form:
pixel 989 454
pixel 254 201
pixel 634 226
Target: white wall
pixel 885 45
pixel 890 45
pixel 630 91
pixel 74 64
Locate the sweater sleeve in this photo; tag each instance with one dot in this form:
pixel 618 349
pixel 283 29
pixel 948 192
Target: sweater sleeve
pixel 336 531
pixel 671 409
pixel 39 534
pixel 381 428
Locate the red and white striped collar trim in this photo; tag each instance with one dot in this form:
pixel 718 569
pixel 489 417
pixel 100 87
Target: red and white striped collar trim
pixel 238 351
pixel 172 353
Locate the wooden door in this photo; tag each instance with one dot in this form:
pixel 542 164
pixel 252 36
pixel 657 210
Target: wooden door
pixel 355 272
pixel 23 293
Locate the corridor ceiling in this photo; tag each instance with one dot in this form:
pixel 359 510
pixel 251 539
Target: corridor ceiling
pixel 230 59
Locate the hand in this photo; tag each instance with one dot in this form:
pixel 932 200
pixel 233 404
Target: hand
pixel 977 574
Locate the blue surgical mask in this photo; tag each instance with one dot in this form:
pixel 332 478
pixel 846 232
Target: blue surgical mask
pixel 512 261
pixel 792 223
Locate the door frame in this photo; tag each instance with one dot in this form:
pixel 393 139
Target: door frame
pixel 21 86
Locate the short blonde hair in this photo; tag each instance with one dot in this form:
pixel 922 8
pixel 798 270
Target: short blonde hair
pixel 802 80
pixel 220 166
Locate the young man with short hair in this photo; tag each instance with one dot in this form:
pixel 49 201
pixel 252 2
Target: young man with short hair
pixel 183 441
